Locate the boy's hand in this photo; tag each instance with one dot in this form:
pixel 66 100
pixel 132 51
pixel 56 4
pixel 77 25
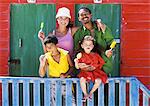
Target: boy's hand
pixel 42 60
pixel 41 35
pixel 63 76
pixel 108 53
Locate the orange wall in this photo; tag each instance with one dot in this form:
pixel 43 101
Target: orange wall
pixel 135 34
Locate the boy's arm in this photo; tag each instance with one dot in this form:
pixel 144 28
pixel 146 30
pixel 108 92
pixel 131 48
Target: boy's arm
pixel 43 64
pixel 71 66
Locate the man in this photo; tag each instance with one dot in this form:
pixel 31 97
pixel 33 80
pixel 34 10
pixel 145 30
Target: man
pixel 101 34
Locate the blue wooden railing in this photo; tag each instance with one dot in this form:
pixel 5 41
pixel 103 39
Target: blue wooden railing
pixel 135 87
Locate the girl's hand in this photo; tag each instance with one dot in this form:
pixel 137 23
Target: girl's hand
pixel 41 36
pixel 89 68
pixel 101 26
pixel 108 53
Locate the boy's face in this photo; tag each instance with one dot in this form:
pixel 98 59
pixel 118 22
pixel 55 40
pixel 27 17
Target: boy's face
pixel 87 45
pixel 50 47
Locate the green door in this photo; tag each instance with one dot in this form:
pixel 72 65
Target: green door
pixel 25 47
pixel 110 14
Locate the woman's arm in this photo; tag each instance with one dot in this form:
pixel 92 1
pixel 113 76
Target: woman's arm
pixel 73 30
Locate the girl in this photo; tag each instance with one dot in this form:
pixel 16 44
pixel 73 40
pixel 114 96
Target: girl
pixel 92 70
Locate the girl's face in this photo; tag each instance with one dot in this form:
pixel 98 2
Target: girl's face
pixel 62 20
pixel 51 47
pixel 87 45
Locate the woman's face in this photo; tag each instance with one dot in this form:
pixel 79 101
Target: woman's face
pixel 87 45
pixel 62 20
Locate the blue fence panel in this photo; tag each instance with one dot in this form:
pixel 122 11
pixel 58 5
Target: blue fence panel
pixel 111 97
pixel 5 98
pixel 122 94
pixel 79 95
pixel 134 88
pixel 134 93
pixel 47 93
pixel 26 97
pixel 58 93
pixel 15 93
pixel 36 92
pixel 69 93
pixel 101 95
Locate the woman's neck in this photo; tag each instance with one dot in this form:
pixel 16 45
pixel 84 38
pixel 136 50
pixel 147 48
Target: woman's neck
pixel 62 29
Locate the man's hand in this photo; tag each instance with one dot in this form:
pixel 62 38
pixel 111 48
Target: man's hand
pixel 101 26
pixel 109 53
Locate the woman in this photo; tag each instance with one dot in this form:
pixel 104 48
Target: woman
pixel 64 32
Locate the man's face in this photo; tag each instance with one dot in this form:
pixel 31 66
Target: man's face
pixel 84 16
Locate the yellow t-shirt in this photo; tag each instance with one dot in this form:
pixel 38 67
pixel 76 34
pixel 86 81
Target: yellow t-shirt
pixel 55 69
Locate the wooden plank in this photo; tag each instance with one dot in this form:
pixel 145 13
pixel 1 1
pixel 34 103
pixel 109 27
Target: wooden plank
pixel 69 93
pixel 26 90
pixel 134 93
pixel 101 95
pixel 47 93
pixel 122 95
pixel 79 94
pixel 111 91
pixel 136 25
pixel 36 93
pixel 58 93
pixel 135 35
pixel 5 100
pixel 136 17
pixel 133 62
pixel 135 8
pixel 15 93
pixel 134 71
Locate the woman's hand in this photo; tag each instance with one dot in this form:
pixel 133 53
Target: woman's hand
pixel 109 53
pixel 41 36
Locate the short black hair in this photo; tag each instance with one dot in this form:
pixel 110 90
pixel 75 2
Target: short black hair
pixel 50 39
pixel 86 9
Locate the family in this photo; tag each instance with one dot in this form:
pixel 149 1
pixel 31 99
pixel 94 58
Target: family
pixel 82 52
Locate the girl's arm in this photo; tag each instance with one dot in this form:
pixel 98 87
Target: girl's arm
pixel 43 65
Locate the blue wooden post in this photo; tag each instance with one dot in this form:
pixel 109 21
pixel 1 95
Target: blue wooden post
pixel 68 93
pixel 79 94
pixel 134 93
pixel 145 100
pixel 26 97
pixel 36 93
pixel 47 93
pixel 5 100
pixel 111 91
pixel 90 86
pixel 58 93
pixel 15 93
pixel 122 93
pixel 101 95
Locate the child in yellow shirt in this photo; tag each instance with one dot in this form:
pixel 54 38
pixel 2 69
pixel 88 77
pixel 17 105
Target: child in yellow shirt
pixel 58 60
